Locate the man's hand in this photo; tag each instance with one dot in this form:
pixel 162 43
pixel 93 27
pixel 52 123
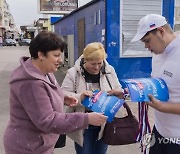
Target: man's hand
pixel 155 103
pixel 166 107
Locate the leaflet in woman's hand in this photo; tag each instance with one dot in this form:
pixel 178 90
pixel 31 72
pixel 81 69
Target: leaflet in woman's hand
pixel 101 102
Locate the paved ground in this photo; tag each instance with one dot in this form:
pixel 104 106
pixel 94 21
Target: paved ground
pixel 9 59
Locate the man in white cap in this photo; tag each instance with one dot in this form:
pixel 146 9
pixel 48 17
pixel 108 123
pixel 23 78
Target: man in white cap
pixel 160 39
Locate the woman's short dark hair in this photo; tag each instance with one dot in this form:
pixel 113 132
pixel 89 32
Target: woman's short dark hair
pixel 44 42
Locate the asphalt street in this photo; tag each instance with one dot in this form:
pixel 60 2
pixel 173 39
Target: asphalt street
pixel 9 59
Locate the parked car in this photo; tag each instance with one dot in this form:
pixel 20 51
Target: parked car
pixel 24 42
pixel 9 42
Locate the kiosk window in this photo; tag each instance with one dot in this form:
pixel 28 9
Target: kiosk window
pixel 132 12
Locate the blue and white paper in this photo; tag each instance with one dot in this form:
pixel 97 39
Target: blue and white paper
pixel 101 102
pixel 140 88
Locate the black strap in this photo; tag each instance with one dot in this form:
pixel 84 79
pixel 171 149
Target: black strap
pixel 108 82
pixel 75 83
pixel 128 109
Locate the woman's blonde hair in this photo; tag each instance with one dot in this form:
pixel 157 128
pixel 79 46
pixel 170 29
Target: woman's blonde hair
pixel 93 51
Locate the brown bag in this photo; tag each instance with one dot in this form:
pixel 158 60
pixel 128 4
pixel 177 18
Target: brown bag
pixel 121 131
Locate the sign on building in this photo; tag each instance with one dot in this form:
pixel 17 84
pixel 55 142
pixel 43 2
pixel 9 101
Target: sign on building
pixel 57 6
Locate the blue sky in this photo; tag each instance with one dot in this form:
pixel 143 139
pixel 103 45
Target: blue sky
pixel 24 11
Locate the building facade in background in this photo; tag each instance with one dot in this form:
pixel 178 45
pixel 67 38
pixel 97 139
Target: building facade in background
pixel 7 26
pixel 50 9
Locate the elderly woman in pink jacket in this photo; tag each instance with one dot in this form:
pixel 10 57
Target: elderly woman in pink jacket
pixel 36 101
pixel 91 71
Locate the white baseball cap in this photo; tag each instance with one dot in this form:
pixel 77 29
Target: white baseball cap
pixel 148 23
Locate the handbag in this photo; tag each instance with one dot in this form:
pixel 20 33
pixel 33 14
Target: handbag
pixel 61 142
pixel 123 130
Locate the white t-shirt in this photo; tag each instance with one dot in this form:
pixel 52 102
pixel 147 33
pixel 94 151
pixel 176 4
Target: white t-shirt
pixel 167 67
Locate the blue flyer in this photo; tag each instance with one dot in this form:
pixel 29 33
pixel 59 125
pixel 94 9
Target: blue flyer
pixel 139 89
pixel 101 102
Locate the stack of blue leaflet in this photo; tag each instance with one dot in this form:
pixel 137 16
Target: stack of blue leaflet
pixel 139 89
pixel 101 102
